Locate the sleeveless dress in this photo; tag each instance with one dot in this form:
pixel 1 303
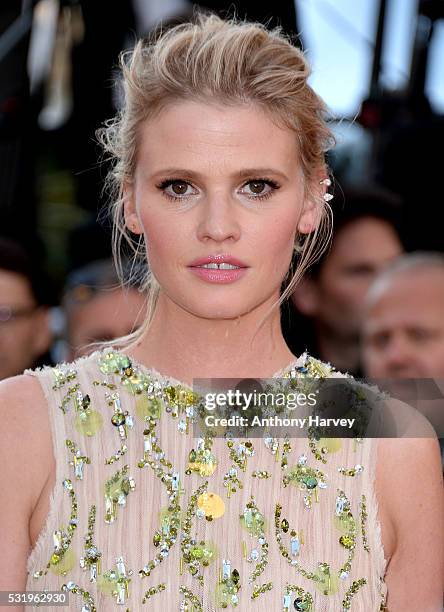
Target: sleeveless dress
pixel 144 516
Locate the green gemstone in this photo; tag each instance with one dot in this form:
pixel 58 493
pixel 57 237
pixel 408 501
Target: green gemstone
pixel 55 558
pixel 311 482
pixel 197 552
pixel 118 419
pixel 301 604
pixel 346 541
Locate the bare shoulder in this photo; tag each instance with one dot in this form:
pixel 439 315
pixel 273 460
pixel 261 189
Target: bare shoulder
pixel 410 464
pixel 415 462
pixel 410 493
pixel 23 406
pixel 26 457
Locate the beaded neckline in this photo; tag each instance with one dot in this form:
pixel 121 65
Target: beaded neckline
pixel 152 372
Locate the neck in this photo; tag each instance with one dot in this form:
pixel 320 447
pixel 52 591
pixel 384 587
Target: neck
pixel 185 346
pixel 342 352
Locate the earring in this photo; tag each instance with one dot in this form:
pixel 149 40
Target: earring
pixel 327 196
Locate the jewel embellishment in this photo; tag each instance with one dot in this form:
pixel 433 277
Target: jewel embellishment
pixel 201 459
pixel 120 419
pixel 229 586
pixel 92 556
pixel 211 504
pixel 117 489
pixel 79 460
pixel 63 558
pixel 116 581
pixel 254 522
pixel 307 479
pixel 303 602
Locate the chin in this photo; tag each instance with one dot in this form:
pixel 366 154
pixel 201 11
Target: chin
pixel 220 302
pixel 218 310
pixel 209 305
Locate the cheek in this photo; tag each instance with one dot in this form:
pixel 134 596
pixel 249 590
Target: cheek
pixel 347 289
pixel 163 237
pixel 276 242
pixel 334 287
pixel 432 353
pixel 159 245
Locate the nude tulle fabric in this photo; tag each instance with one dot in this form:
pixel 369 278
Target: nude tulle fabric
pixel 131 534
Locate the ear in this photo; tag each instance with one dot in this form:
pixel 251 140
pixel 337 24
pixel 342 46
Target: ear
pixel 132 221
pixel 310 217
pixel 305 297
pixel 314 203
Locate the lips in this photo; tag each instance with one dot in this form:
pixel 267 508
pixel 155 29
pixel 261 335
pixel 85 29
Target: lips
pixel 219 269
pixel 218 262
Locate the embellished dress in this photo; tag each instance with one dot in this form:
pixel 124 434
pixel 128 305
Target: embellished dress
pixel 144 516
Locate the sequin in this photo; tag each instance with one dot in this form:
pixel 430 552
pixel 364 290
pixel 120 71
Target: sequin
pixel 211 504
pixel 149 407
pixel 88 422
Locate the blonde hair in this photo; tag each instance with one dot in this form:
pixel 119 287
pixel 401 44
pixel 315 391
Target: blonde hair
pixel 213 60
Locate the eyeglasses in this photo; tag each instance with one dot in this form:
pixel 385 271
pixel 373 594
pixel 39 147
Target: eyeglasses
pixel 9 313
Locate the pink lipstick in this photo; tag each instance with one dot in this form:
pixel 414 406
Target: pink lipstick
pixel 222 268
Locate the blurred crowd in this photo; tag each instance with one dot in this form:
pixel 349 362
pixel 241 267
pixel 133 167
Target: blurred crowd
pixel 373 305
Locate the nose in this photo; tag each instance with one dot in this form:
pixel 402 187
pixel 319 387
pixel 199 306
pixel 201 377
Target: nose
pixel 219 220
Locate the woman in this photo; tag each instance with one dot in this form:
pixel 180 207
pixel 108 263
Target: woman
pixel 220 172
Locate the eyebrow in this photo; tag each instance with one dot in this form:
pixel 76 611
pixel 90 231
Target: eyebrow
pixel 245 172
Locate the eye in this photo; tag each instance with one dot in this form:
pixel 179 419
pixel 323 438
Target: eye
pixel 419 335
pixel 175 189
pixel 380 340
pixel 260 189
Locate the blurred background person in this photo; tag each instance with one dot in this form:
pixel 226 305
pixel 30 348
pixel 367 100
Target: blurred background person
pixel 25 335
pixel 403 333
pixel 403 322
pixel 327 303
pixel 97 309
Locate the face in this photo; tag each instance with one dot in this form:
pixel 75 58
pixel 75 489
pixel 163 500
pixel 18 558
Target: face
pixel 403 333
pixel 24 328
pixel 218 187
pixel 106 316
pixel 360 249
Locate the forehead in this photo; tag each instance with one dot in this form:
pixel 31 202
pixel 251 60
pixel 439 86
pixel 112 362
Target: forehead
pixel 214 139
pixel 14 286
pixel 413 297
pixel 359 237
